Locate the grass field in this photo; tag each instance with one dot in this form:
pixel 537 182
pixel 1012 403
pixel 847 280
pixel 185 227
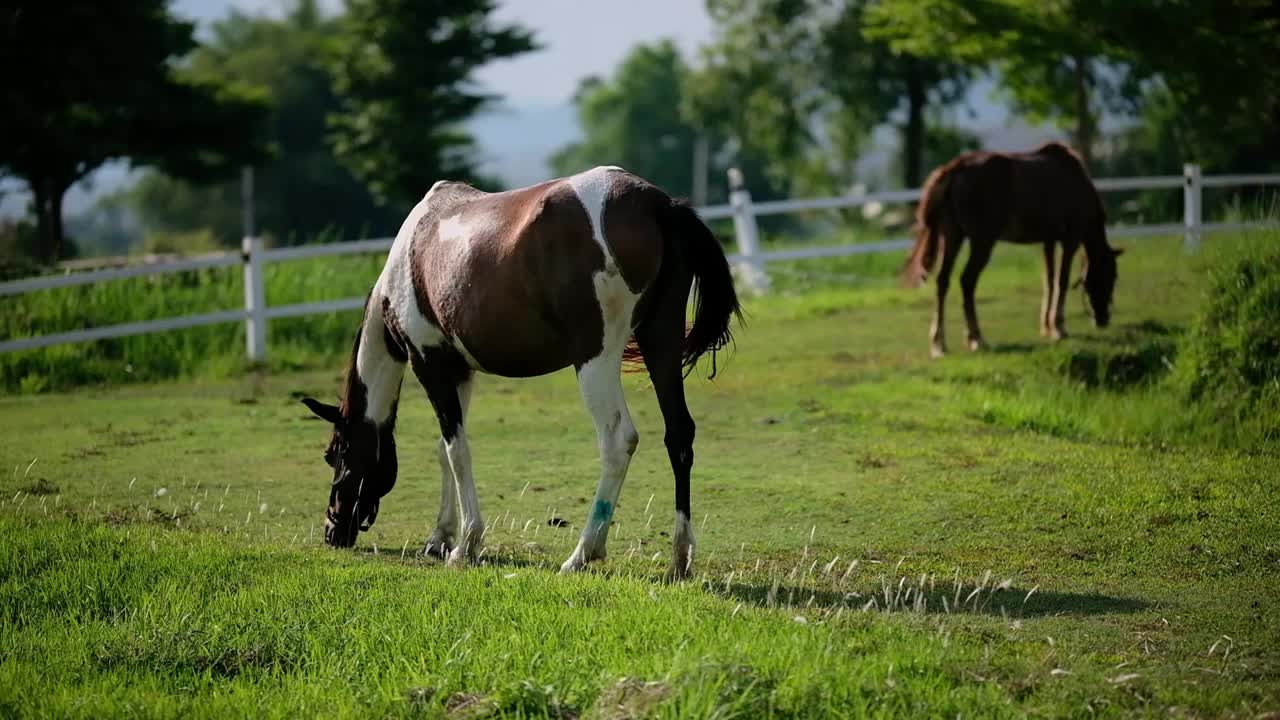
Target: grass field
pixel 1031 531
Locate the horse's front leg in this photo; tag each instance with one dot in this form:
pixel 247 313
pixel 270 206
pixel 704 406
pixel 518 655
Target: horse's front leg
pixel 1046 285
pixel 979 255
pixel 447 381
pixel 440 542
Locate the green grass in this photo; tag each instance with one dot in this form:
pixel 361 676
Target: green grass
pixel 1038 531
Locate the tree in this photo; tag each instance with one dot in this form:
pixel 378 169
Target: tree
pixel 90 82
pixel 634 120
pixel 300 192
pixel 802 80
pixel 757 86
pixel 403 75
pixel 871 81
pixel 1068 60
pixel 1216 69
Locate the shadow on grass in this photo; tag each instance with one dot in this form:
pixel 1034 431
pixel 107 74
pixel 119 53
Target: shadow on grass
pixel 1013 602
pixel 1015 348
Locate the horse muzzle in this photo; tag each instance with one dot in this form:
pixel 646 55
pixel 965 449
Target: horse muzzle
pixel 341 529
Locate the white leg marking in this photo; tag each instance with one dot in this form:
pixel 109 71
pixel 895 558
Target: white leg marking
pixel 441 539
pixel 446 531
pixel 601 384
pixel 682 546
pixel 459 455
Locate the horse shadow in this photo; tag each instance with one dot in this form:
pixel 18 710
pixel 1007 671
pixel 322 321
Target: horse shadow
pixel 1013 348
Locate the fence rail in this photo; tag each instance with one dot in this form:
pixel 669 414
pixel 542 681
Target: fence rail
pixel 749 259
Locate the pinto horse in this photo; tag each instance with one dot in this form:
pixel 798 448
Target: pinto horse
pixel 578 271
pixel 1040 197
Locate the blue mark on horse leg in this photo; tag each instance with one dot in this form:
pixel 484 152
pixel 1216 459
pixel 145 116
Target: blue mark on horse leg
pixel 602 513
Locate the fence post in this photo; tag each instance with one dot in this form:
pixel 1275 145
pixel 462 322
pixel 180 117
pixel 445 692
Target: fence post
pixel 747 233
pixel 255 302
pixel 1192 206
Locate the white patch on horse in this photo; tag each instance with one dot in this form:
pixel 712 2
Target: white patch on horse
pixel 600 382
pixel 396 281
pixel 592 187
pixel 682 546
pixel 379 372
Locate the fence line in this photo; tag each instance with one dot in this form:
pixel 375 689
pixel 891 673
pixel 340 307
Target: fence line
pixel 749 260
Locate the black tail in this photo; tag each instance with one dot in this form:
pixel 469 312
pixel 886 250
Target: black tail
pixel 715 299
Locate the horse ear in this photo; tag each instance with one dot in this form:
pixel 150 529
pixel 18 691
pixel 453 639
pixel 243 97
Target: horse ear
pixel 1117 252
pixel 324 412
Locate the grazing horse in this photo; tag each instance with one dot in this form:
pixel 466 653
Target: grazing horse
pixel 1044 196
pixel 579 271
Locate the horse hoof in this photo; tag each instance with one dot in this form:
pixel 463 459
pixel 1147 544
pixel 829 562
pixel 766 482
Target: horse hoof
pixel 438 549
pixel 1057 335
pixel 458 557
pixel 976 344
pixel 575 563
pixel 936 352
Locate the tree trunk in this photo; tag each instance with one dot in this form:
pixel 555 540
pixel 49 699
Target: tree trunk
pixel 1084 118
pixel 913 135
pixel 47 192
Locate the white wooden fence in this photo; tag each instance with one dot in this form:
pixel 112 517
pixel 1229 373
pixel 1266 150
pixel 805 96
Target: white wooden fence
pixel 749 260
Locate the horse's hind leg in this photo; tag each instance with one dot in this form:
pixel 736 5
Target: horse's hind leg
pixel 441 539
pixel 979 254
pixel 600 381
pixel 661 341
pixel 937 331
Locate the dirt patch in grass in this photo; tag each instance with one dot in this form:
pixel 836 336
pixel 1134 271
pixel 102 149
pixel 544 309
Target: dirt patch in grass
pixel 628 699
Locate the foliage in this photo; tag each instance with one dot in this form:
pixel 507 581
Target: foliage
pixel 1230 362
pixel 799 83
pixel 1216 63
pixel 402 71
pixel 91 82
pixel 634 120
pixel 1052 58
pixel 301 190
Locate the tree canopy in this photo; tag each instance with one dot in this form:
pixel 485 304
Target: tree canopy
pixel 1067 60
pixel 302 190
pixel 90 82
pixel 402 71
pixel 800 83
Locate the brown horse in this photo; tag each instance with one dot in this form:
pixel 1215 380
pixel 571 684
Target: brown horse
pixel 1044 196
pixel 574 272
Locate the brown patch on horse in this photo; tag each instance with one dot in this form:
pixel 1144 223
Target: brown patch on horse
pixel 537 310
pixel 395 339
pixel 631 229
